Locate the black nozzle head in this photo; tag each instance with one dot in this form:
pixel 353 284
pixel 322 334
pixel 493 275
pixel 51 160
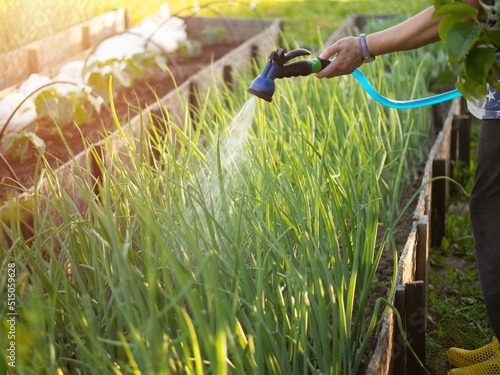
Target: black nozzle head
pixel 260 94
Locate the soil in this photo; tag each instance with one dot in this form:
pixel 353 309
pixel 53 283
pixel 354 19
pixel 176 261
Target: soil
pixel 144 91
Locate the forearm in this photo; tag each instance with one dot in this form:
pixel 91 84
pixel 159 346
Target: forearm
pixel 415 32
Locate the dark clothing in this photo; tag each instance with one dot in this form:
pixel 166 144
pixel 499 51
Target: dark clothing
pixel 485 218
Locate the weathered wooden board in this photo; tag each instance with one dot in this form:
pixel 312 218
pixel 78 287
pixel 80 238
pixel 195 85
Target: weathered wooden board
pixel 52 50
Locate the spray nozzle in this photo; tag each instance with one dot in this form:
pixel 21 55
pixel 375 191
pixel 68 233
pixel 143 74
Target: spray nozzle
pixel 263 86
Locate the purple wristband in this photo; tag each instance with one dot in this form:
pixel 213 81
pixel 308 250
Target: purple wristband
pixel 367 56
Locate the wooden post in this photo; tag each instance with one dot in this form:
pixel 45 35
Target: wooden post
pixel 85 37
pixel 227 75
pixel 422 261
pixel 438 201
pixel 463 106
pixel 421 272
pixel 437 117
pixel 399 345
pixel 33 61
pixel 454 144
pixel 464 139
pixel 415 326
pixel 193 99
pixel 127 19
pixel 95 169
pixel 254 55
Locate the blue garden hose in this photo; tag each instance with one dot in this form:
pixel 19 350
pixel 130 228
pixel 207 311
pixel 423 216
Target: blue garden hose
pixel 402 104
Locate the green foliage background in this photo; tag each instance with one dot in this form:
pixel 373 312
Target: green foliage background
pixel 470 45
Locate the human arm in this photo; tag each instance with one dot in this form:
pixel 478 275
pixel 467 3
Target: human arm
pixel 413 33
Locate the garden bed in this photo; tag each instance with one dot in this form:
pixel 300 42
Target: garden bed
pixel 65 182
pixel 236 49
pixel 145 92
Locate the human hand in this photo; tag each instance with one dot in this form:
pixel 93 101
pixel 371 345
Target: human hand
pixel 348 57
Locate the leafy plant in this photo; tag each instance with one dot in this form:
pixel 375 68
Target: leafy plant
pixel 18 143
pixel 124 71
pixel 470 46
pixel 212 35
pixel 62 108
pixel 458 236
pixel 190 47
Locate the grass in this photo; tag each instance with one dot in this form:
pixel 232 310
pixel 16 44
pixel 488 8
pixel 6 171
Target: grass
pixel 271 271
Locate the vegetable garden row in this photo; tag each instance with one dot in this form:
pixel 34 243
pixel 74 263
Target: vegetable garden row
pixel 161 249
pixel 146 63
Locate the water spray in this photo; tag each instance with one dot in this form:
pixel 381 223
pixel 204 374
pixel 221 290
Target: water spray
pixel 276 67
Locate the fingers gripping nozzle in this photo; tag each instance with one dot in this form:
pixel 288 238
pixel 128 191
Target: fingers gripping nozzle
pixel 263 86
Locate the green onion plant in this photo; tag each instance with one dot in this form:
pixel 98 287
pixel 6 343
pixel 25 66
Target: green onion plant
pixel 268 268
